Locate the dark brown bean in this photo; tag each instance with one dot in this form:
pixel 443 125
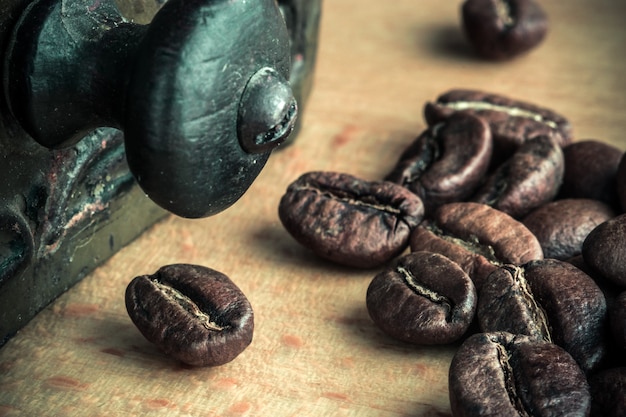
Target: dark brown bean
pixel 424 299
pixel 530 178
pixel 591 171
pixel 551 300
pixel 511 121
pixel 501 374
pixel 477 237
pixel 605 251
pixel 349 220
pixel 608 393
pixel 503 29
pixel 576 309
pixel 561 226
pixel 192 313
pixel 446 162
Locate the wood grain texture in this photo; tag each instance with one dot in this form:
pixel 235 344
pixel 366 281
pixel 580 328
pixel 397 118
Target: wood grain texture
pixel 315 351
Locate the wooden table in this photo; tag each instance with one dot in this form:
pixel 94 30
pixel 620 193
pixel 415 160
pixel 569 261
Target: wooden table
pixel 315 351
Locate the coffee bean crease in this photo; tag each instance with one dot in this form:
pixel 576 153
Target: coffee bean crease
pixel 504 12
pixel 511 111
pixel 340 195
pixel 426 292
pixel 508 375
pixel 188 305
pixel 430 152
pixel 471 243
pixel 501 184
pixel 537 313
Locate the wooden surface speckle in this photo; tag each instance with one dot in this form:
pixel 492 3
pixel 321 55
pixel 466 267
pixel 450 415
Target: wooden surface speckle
pixel 315 351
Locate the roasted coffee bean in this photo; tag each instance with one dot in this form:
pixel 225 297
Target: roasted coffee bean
pixel 528 179
pixel 576 309
pixel 349 220
pixel 591 171
pixel 501 374
pixel 550 300
pixel 511 121
pixel 561 226
pixel 424 299
pixel 477 237
pixel 621 183
pixel 195 314
pixel 503 29
pixel 608 393
pixel 617 318
pixel 604 249
pixel 446 162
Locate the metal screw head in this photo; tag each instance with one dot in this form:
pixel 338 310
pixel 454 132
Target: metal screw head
pixel 267 111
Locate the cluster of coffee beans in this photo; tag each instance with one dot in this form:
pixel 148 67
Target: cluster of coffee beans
pixel 496 230
pixel 192 313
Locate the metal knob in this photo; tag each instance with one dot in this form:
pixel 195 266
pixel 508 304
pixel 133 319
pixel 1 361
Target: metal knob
pixel 201 93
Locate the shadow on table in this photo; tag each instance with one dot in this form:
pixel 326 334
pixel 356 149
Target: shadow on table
pixel 129 348
pixel 446 41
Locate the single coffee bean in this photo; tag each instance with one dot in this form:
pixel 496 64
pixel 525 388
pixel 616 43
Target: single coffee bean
pixel 550 300
pixel 604 249
pixel 501 374
pixel 195 314
pixel 608 393
pixel 621 182
pixel 424 299
pixel 617 318
pixel 503 29
pixel 446 162
pixel 591 171
pixel 561 226
pixel 575 307
pixel 527 180
pixel 511 121
pixel 477 237
pixel 349 220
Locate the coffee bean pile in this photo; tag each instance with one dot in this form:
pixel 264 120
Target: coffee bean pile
pixel 495 230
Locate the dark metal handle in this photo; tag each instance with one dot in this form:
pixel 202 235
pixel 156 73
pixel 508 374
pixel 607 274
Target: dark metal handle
pixel 201 93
